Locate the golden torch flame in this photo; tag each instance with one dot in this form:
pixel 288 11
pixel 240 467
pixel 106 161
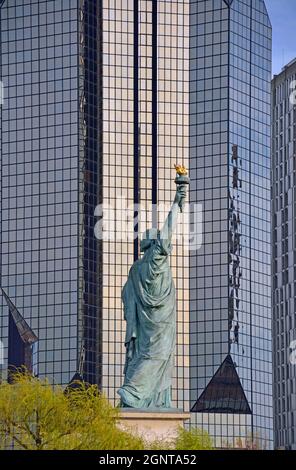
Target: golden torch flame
pixel 181 169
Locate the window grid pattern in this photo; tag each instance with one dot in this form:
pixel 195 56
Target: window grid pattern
pixel 283 255
pixel 209 186
pixel 250 61
pixel 173 147
pixel 230 112
pixel 118 179
pixel 39 161
pixel 118 140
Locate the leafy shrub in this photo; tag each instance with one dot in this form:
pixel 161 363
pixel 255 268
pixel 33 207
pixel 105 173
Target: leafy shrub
pixel 193 439
pixel 34 415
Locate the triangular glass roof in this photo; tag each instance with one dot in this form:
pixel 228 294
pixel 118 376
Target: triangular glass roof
pixel 224 393
pixel 23 328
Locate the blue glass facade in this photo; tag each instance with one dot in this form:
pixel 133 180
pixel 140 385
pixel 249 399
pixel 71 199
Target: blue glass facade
pixel 283 255
pixel 49 155
pixel 230 315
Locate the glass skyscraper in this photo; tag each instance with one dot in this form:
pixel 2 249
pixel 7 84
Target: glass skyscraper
pixel 50 172
pixel 230 313
pixel 283 255
pixel 96 110
pixel 101 99
pixel 145 107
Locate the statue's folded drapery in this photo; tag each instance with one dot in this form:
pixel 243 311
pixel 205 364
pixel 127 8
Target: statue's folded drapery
pixel 150 313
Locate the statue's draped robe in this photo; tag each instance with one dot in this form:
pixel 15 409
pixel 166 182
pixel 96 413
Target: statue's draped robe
pixel 150 312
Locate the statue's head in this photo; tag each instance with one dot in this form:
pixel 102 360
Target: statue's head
pixel 149 236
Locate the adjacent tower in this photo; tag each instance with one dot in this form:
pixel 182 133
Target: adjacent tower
pixel 50 185
pixel 230 313
pixel 283 254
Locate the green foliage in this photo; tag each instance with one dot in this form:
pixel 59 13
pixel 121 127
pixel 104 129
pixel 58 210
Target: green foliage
pixel 36 416
pixel 193 439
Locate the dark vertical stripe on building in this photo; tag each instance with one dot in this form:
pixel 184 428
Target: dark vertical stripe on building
pixel 136 127
pixel 1 154
pixel 99 352
pixel 154 111
pixel 90 195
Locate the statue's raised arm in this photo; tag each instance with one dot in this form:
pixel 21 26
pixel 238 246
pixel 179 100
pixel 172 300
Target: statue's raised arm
pixel 150 312
pixel 182 181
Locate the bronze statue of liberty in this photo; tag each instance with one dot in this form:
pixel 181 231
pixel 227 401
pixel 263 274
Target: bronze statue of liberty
pixel 149 301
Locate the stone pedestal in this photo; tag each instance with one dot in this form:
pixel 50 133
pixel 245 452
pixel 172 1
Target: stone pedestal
pixel 153 425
